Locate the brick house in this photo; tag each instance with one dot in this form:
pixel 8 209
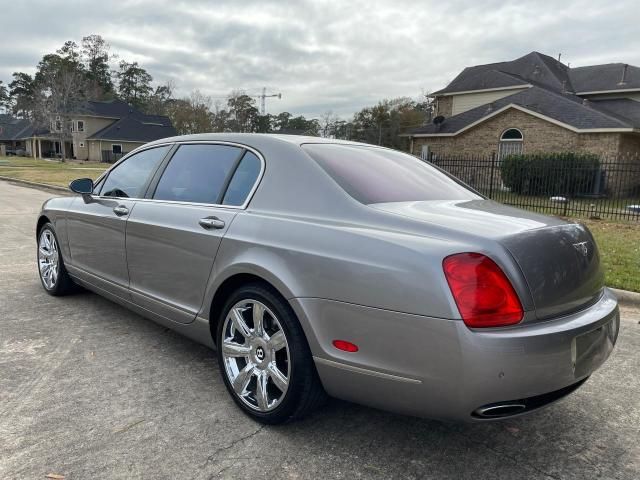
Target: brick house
pixel 99 131
pixel 535 104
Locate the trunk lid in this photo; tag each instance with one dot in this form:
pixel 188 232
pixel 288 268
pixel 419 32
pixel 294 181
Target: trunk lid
pixel 559 260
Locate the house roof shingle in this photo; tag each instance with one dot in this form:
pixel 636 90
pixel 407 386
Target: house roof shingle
pixel 534 68
pixel 12 128
pixel 597 78
pixel 551 93
pixel 107 108
pixel 136 129
pixel 565 108
pixel 130 125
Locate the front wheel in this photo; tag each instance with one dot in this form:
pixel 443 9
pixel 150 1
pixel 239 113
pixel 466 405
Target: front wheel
pixel 264 357
pixel 53 274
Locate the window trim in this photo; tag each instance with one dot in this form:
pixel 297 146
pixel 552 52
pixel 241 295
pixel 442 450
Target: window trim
pixel 145 186
pixel 173 147
pixel 155 181
pixel 521 139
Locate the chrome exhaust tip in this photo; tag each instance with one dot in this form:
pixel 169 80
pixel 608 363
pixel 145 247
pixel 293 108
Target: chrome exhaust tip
pixel 500 410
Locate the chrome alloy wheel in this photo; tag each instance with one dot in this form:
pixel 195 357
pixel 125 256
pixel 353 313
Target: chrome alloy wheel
pixel 48 258
pixel 256 355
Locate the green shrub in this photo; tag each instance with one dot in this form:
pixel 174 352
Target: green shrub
pixel 550 173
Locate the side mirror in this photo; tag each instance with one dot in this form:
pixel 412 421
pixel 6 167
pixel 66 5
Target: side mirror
pixel 83 186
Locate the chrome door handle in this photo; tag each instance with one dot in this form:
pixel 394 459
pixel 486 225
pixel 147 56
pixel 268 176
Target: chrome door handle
pixel 120 210
pixel 211 222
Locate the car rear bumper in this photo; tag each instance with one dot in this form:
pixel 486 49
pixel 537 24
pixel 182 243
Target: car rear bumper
pixel 439 368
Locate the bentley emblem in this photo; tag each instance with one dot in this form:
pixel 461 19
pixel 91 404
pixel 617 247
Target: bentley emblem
pixel 582 248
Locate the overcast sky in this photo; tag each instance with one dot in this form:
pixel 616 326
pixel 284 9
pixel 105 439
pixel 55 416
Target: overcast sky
pixel 321 54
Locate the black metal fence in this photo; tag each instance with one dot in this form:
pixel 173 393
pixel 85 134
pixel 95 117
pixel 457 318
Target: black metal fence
pixel 606 189
pixel 111 157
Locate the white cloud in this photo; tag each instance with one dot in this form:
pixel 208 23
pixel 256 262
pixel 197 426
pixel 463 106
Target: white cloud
pixel 321 54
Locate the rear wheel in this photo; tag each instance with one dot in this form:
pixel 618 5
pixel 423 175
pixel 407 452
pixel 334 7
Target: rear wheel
pixel 53 274
pixel 264 357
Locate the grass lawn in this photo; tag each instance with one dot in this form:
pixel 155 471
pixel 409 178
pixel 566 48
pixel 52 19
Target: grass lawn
pixel 51 172
pixel 619 244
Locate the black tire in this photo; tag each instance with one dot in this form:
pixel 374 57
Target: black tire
pixel 63 284
pixel 305 392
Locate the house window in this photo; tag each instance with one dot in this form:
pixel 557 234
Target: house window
pixel 425 154
pixel 80 124
pixel 510 143
pixel 116 148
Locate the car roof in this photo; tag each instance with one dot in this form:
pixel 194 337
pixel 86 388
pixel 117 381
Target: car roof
pixel 250 138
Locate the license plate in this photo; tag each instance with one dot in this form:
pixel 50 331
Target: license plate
pixel 591 349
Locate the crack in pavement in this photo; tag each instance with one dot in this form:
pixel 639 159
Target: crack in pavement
pixel 211 457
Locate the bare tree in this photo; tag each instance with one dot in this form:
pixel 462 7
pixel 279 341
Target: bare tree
pixel 328 123
pixel 191 114
pixel 60 90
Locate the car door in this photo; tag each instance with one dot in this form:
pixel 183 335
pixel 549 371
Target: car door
pixel 96 225
pixel 174 235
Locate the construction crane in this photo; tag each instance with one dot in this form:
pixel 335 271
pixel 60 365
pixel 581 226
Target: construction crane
pixel 263 97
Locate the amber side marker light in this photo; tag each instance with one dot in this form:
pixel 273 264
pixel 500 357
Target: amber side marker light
pixel 345 346
pixel 483 293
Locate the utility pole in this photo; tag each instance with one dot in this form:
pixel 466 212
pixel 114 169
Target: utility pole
pixel 263 97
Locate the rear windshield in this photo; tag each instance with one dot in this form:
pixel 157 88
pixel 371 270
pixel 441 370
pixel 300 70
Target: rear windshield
pixel 377 175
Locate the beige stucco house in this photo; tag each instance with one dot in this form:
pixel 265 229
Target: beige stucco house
pixel 535 104
pixel 99 131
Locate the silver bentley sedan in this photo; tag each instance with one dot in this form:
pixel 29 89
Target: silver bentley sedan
pixel 320 267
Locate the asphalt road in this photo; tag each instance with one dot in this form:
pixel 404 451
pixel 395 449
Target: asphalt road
pixel 89 390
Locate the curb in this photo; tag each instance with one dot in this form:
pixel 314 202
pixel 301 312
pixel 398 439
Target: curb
pixel 42 186
pixel 626 298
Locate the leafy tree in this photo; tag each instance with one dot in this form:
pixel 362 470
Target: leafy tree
pixel 96 57
pixel 22 94
pixel 263 123
pixel 5 102
pixel 383 123
pixel 191 114
pixel 134 84
pixel 220 118
pixel 243 112
pixel 159 101
pixel 281 121
pixel 71 54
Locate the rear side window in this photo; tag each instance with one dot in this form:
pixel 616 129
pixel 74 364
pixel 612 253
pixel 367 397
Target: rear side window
pixel 376 175
pixel 243 180
pixel 197 173
pixel 129 179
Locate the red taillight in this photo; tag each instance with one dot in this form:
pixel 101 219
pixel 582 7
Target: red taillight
pixel 482 291
pixel 345 346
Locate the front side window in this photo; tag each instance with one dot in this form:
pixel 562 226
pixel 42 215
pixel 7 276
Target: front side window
pixel 129 178
pixel 376 175
pixel 80 126
pixel 198 173
pixel 116 148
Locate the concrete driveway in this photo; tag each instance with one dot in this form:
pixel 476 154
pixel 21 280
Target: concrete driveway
pixel 90 390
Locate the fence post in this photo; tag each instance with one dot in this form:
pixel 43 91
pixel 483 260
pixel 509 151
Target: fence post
pixel 491 175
